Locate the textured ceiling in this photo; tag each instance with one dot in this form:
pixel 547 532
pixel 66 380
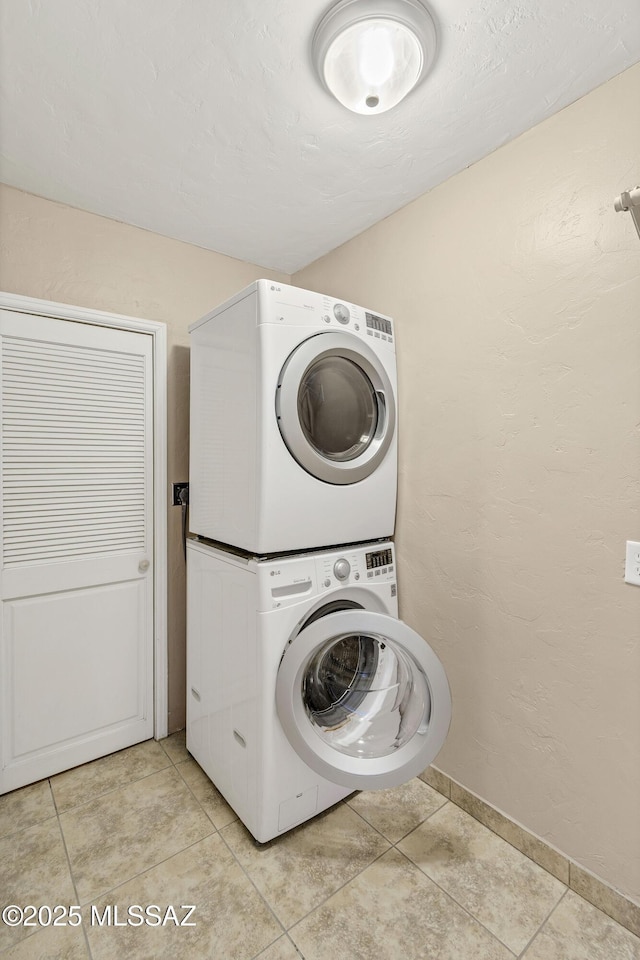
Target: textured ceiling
pixel 202 119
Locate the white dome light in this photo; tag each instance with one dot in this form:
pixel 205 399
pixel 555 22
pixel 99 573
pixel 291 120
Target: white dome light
pixel 371 53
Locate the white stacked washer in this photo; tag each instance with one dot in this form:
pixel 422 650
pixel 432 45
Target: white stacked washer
pixel 293 422
pixel 302 683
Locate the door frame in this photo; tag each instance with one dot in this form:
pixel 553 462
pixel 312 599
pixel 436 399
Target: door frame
pixel 158 332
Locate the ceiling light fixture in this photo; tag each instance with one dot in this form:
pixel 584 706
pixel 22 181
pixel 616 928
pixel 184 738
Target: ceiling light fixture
pixel 371 53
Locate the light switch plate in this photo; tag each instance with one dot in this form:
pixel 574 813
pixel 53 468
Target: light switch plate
pixel 632 563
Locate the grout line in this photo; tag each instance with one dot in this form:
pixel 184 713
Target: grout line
pixel 404 835
pixel 73 879
pixel 152 866
pixel 201 804
pixel 523 830
pixel 544 923
pixel 599 903
pixel 393 846
pixel 283 936
pixel 605 898
pixel 342 886
pixel 453 900
pixel 106 893
pixel 249 878
pixel 34 823
pixel 451 897
pixel 446 893
pixel 53 798
pixel 350 879
pixel 106 793
pixel 166 752
pixel 437 789
pixel 304 823
pixel 346 803
pixel 333 892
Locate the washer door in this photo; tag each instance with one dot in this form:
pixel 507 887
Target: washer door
pixel 363 699
pixel 335 407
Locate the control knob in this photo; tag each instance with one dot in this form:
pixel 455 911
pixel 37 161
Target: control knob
pixel 341 569
pixel 341 313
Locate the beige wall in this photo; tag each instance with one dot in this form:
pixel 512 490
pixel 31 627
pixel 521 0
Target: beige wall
pixel 57 253
pixel 515 287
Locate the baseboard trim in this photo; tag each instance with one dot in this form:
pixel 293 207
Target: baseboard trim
pixel 603 896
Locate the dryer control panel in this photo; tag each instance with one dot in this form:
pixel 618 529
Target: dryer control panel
pixel 284 304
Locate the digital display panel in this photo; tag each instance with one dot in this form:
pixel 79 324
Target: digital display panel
pixel 379 323
pixel 381 558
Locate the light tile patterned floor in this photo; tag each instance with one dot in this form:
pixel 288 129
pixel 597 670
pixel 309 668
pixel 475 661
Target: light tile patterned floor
pixel 399 874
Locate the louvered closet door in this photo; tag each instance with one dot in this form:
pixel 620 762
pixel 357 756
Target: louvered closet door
pixel 76 654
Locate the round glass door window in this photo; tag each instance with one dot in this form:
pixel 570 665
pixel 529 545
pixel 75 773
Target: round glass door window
pixel 364 696
pixel 335 407
pixel 338 408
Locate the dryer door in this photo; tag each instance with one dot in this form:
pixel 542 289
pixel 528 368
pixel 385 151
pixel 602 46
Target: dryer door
pixel 335 407
pixel 363 699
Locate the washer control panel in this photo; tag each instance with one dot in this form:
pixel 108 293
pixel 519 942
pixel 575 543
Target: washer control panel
pixel 289 580
pixel 356 566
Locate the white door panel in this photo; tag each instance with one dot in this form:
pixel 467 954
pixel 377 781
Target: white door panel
pixel 64 654
pixel 77 550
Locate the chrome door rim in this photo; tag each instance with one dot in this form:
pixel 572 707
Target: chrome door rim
pixel 361 773
pixel 310 351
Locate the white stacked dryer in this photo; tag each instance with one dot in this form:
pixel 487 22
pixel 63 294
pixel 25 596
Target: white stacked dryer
pixel 293 422
pixel 302 683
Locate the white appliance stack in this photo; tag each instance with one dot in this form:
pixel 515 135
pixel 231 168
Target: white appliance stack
pixel 302 683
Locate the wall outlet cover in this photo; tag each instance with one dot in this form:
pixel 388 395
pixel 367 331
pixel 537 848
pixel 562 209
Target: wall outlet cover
pixel 632 563
pixel 180 494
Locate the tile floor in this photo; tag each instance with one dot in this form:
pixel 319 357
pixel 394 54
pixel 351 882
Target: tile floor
pixel 394 875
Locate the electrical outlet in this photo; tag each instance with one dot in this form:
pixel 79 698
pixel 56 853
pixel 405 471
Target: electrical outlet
pixel 180 494
pixel 632 563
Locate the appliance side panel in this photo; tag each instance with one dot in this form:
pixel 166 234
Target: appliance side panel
pixel 231 301
pixel 222 688
pixel 222 474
